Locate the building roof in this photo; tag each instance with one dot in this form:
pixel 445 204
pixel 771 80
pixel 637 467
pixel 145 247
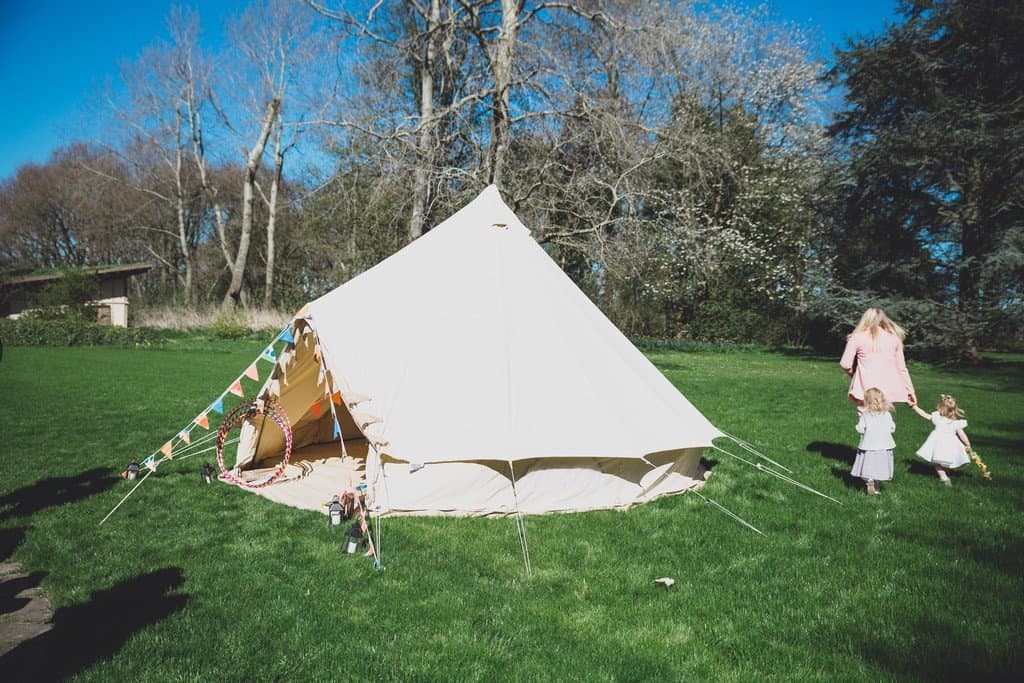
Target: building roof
pixel 103 272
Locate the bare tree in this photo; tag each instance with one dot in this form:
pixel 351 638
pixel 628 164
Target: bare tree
pixel 159 117
pixel 276 82
pixel 60 215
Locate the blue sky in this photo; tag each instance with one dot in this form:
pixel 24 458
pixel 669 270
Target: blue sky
pixel 57 56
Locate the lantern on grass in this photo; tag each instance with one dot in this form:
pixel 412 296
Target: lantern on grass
pixel 354 537
pixel 207 471
pixel 335 511
pixel 133 470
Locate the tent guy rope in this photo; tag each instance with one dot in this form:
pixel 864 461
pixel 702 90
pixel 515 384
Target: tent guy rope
pixel 768 470
pixel 183 436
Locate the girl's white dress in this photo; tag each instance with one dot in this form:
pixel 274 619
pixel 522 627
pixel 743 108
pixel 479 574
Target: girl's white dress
pixel 942 446
pixel 874 452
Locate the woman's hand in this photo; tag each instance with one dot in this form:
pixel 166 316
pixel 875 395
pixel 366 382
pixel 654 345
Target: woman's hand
pixel 911 400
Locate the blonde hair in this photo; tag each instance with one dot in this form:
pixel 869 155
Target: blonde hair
pixel 947 407
pixel 876 402
pixel 875 319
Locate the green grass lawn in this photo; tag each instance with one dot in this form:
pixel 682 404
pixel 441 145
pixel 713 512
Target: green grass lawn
pixel 201 583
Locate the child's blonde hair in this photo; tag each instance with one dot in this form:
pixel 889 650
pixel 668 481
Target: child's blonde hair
pixel 875 319
pixel 876 402
pixel 947 407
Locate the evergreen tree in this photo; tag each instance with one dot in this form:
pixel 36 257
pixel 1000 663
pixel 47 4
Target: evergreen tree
pixel 932 205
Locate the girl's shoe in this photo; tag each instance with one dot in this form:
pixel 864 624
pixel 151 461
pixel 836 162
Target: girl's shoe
pixel 872 488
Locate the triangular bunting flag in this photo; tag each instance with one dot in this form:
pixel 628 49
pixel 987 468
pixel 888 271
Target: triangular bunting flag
pixel 337 430
pixel 202 421
pixel 183 435
pixel 316 409
pixel 236 388
pixel 269 354
pixel 166 449
pixel 252 373
pixel 336 398
pixel 218 405
pixel 150 462
pixel 302 311
pixel 286 335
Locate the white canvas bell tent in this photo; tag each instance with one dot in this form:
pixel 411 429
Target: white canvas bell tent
pixel 470 376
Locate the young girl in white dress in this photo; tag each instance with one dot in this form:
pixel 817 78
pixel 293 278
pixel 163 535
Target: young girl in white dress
pixel 947 446
pixel 874 453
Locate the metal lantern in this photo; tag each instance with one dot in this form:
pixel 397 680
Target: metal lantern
pixel 133 470
pixel 207 471
pixel 335 511
pixel 354 537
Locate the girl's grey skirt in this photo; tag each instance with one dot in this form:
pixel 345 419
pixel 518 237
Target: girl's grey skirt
pixel 876 465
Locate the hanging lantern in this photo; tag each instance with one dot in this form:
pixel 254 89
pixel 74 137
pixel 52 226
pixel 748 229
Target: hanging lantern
pixel 207 471
pixel 133 470
pixel 335 511
pixel 354 538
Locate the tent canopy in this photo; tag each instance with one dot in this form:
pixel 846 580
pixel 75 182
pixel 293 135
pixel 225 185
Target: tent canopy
pixel 469 351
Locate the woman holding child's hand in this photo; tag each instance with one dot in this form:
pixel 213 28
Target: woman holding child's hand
pixel 874 358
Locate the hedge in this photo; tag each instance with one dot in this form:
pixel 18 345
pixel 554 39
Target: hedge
pixel 27 331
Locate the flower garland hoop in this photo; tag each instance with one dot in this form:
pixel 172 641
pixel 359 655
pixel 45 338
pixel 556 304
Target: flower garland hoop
pixel 235 418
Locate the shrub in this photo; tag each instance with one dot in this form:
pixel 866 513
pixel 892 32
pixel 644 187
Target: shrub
pixel 27 331
pixel 66 297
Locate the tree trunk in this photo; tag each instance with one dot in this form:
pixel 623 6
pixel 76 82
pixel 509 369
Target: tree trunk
pixel 179 197
pixel 252 167
pixel 502 60
pixel 268 290
pixel 425 139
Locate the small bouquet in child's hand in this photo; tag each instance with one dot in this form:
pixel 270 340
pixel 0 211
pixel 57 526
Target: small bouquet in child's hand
pixel 976 459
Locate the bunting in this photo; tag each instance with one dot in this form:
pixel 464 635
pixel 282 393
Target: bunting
pixel 252 373
pixel 218 405
pixel 302 311
pixel 316 409
pixel 150 462
pixel 286 335
pixel 166 449
pixel 269 354
pixel 202 421
pixel 184 436
pixel 236 388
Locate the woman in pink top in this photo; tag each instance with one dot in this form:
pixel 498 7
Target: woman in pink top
pixel 874 358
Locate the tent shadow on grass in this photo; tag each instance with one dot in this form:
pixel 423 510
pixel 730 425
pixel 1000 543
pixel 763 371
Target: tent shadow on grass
pixel 87 633
pixel 29 500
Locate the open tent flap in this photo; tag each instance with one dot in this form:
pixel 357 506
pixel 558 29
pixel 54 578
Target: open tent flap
pixel 306 394
pixel 542 485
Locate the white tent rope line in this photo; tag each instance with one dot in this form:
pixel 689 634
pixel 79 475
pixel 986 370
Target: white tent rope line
pixel 509 416
pixel 191 444
pixel 753 451
pixel 205 450
pixel 144 477
pixel 728 512
pixel 520 524
pixel 762 468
